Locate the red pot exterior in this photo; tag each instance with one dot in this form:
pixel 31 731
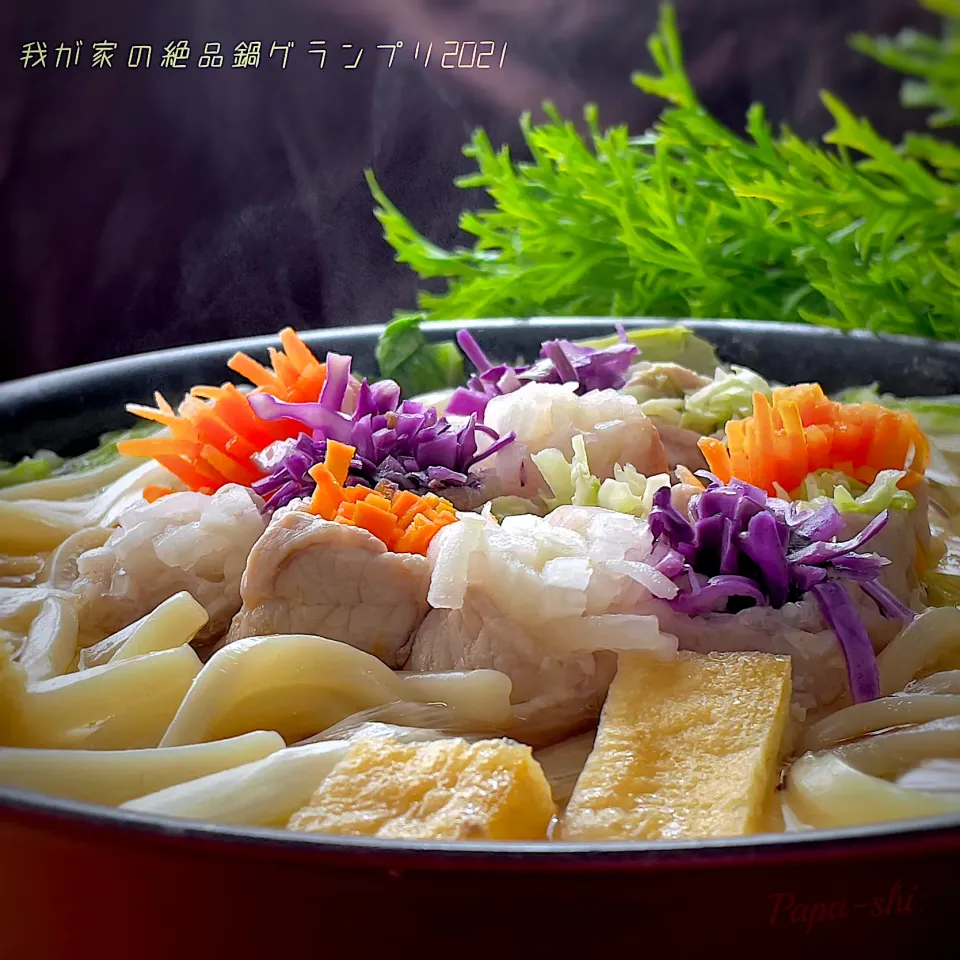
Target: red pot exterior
pixel 78 887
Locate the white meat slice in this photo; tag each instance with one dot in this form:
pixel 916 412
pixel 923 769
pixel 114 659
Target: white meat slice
pixel 663 380
pixel 545 415
pixel 183 541
pixel 530 598
pixel 309 575
pixel 680 446
pixel 553 696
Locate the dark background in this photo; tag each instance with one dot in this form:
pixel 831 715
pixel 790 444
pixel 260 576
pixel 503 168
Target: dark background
pixel 142 209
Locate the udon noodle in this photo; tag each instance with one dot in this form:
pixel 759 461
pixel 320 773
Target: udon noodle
pixel 174 707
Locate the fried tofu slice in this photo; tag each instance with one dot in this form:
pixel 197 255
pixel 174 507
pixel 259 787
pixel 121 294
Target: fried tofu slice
pixel 688 748
pixel 442 790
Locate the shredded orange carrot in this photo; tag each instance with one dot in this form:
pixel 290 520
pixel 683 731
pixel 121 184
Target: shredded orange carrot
pixel 404 522
pixel 298 352
pixel 297 375
pixel 328 495
pixel 229 469
pixel 718 458
pixel 286 371
pixel 189 473
pixel 338 458
pixel 154 446
pixel 416 538
pixel 686 477
pixel 256 373
pixel 378 502
pixel 152 493
pixel 234 411
pixel 801 431
pixel 214 432
pixel 169 420
pixel 381 523
pixel 402 502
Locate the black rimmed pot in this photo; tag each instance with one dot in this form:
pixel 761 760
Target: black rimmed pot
pixel 78 881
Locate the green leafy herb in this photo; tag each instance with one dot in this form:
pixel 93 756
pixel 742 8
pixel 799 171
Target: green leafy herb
pixel 404 355
pixel 693 219
pixel 931 63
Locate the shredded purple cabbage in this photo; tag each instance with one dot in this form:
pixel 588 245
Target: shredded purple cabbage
pixel 561 361
pixel 714 595
pixel 743 548
pixel 888 602
pixel 841 615
pixel 396 440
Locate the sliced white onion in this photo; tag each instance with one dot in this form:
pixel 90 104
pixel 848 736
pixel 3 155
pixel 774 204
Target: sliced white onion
pixel 646 576
pixel 449 553
pixel 573 573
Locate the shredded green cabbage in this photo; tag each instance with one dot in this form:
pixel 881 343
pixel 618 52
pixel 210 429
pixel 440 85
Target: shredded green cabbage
pixel 941 576
pixel 37 467
pixel 571 482
pixel 46 464
pixel 729 397
pixel 558 473
pixel 667 409
pixel 586 487
pixel 852 496
pixel 673 344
